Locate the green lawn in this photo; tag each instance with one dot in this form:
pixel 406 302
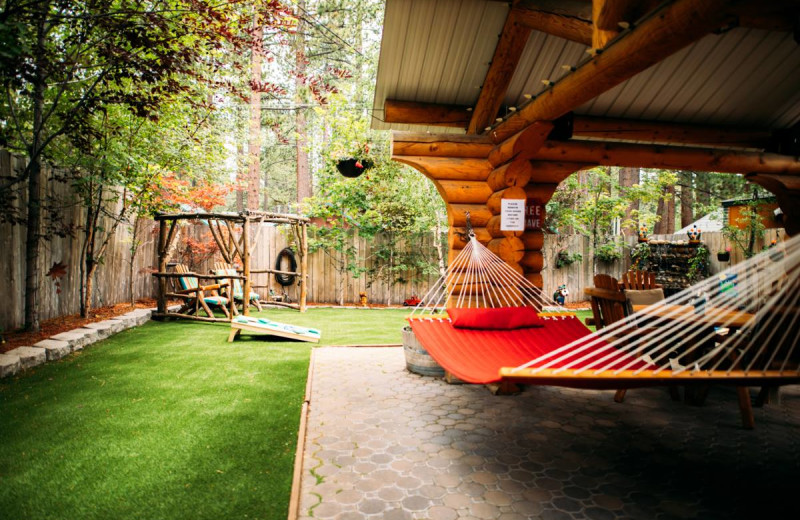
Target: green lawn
pixel 167 421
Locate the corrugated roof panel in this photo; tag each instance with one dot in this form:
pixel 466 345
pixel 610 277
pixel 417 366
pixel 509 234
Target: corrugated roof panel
pixel 662 94
pixel 482 45
pixel 542 59
pixel 417 30
pixel 789 113
pixel 396 14
pixel 435 61
pixel 748 56
pixel 467 26
pixel 770 80
pixel 439 51
pixel 435 52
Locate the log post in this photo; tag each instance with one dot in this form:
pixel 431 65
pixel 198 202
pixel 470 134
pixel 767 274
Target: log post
pixel 245 255
pixel 303 266
pixel 162 267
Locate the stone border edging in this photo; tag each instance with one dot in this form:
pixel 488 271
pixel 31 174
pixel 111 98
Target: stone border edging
pixel 64 343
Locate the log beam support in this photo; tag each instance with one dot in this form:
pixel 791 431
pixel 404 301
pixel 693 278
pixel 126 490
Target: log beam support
pixel 665 32
pixel 415 113
pixel 498 78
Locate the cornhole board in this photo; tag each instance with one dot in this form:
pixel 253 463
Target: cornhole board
pixel 273 328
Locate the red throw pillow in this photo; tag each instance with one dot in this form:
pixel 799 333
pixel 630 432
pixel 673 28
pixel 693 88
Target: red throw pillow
pixel 501 318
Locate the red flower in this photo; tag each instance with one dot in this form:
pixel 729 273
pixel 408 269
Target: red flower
pixel 359 165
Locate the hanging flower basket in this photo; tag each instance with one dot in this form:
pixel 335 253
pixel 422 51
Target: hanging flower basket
pixel 353 168
pixel 723 256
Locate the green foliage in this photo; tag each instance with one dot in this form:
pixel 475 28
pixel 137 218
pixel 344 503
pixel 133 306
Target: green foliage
pixel 564 258
pixel 608 252
pixel 389 200
pixel 640 255
pixel 698 264
pixel 750 228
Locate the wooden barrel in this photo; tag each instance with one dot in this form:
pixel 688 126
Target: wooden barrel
pixel 418 361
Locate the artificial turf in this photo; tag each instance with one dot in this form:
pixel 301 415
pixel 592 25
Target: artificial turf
pixel 167 421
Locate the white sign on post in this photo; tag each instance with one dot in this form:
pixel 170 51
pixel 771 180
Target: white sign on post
pixel 512 215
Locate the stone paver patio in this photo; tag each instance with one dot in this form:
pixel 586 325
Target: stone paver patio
pixel 384 443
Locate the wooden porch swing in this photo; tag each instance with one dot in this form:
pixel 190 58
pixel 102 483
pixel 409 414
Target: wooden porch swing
pixel 233 234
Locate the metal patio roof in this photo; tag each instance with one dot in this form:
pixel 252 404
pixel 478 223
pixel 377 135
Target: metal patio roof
pixel 439 51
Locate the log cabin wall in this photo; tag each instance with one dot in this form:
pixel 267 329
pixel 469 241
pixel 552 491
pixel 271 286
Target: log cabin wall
pixel 474 177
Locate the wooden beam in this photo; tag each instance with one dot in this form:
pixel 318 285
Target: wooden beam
pixel 669 30
pixel 659 132
pixel 537 132
pixel 605 15
pixel 565 26
pixel 448 168
pixel 414 113
pixel 504 63
pixel 450 145
pixel 668 157
pixel 787 191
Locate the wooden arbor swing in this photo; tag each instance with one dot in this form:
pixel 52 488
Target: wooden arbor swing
pixel 233 234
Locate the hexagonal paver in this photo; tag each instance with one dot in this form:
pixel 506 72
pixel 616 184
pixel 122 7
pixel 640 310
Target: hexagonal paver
pixel 399 446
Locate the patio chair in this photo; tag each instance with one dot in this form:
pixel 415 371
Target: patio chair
pixel 224 268
pixel 198 296
pixel 610 304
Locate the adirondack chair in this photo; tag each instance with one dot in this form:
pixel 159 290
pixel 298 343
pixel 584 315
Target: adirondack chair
pixel 224 268
pixel 198 296
pixel 639 280
pixel 610 304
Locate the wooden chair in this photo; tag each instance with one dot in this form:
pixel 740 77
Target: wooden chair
pixel 198 296
pixel 224 268
pixel 639 280
pixel 610 305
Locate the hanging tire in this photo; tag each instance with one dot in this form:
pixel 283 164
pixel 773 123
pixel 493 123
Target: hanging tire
pixel 285 279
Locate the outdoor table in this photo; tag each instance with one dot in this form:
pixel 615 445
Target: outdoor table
pixel 707 315
pixel 715 316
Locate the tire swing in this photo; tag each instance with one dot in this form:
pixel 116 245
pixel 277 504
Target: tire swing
pixel 285 280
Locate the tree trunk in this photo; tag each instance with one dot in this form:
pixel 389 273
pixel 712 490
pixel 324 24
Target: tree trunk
pixel 241 177
pixel 627 178
pixel 134 249
pixel 703 197
pixel 687 198
pixel 254 144
pixel 670 206
pixel 88 264
pixel 301 143
pixel 438 242
pixel 34 217
pixel 665 212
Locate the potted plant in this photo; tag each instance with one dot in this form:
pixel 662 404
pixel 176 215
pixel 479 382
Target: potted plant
pixel 724 256
pixel 357 164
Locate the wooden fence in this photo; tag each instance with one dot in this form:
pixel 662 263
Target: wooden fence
pixel 61 297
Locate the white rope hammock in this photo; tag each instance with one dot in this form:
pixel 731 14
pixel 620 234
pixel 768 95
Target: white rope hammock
pixel 744 322
pixel 478 278
pixel 757 302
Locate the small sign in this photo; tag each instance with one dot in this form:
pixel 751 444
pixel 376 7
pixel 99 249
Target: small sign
pixel 512 215
pixel 534 215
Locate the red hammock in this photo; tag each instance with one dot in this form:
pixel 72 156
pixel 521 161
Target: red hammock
pixel 477 355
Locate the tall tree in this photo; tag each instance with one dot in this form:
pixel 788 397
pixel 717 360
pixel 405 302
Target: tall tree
pixel 628 177
pixel 686 180
pixel 254 127
pixel 301 143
